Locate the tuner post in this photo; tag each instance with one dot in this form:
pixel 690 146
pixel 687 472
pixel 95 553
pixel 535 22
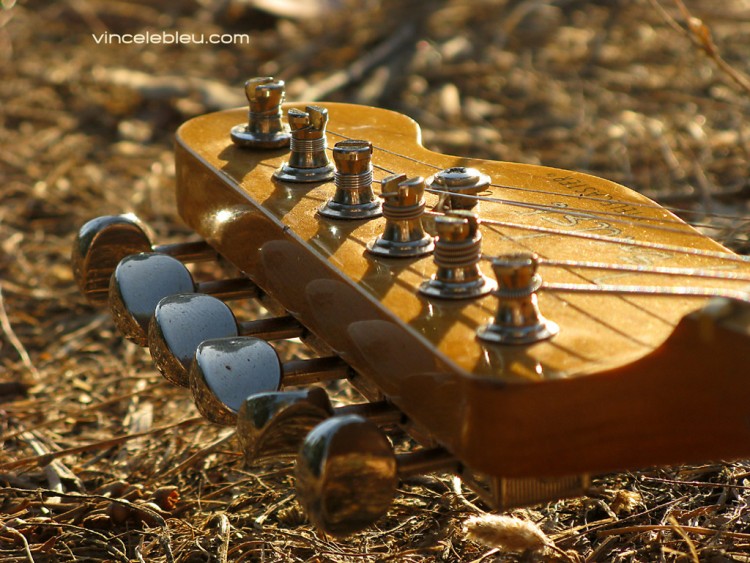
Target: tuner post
pixel 453 184
pixel 265 128
pixel 308 161
pixel 458 250
pixel 354 198
pixel 403 207
pixel 518 319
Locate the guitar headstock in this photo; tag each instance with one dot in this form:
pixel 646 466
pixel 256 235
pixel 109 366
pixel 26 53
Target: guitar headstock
pixel 532 322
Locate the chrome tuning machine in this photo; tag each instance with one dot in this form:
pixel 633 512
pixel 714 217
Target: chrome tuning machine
pixel 458 250
pixel 265 128
pixel 403 207
pixel 273 425
pixel 518 319
pixel 347 473
pixel 354 198
pixel 102 242
pixel 308 161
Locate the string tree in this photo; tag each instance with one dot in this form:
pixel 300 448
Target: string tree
pixel 265 128
pixel 308 161
pixel 453 184
pixel 518 319
pixel 354 197
pixel 404 235
pixel 458 251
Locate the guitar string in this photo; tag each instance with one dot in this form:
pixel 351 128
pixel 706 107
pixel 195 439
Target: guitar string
pixel 624 268
pixel 580 212
pixel 585 214
pixel 575 196
pixel 612 289
pixel 601 238
pixel 640 269
pixel 593 287
pixel 607 239
pixel 622 241
pixel 647 290
pixel 705 273
pixel 562 194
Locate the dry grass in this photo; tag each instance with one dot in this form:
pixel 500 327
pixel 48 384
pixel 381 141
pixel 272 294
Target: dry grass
pixel 103 461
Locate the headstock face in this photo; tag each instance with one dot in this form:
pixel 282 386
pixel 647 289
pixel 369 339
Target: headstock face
pixel 597 332
pixel 423 353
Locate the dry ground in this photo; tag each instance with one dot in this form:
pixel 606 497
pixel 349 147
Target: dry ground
pixel 614 88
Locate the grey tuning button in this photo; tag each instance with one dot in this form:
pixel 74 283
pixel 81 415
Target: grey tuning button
pixel 102 242
pixel 140 281
pixel 273 425
pixel 228 370
pixel 347 473
pixel 181 322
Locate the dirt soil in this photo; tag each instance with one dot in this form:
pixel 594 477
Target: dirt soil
pixel 102 460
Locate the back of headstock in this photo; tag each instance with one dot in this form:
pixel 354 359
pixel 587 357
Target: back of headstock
pixel 594 353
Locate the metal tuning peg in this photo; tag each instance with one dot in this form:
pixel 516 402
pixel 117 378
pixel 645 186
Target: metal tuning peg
pixel 101 243
pixel 228 370
pixel 347 473
pixel 458 250
pixel 265 128
pixel 308 161
pixel 354 198
pixel 403 207
pixel 518 319
pixel 181 322
pixel 455 183
pixel 273 425
pixel 140 281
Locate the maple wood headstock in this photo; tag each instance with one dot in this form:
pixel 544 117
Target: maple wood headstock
pixel 480 400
